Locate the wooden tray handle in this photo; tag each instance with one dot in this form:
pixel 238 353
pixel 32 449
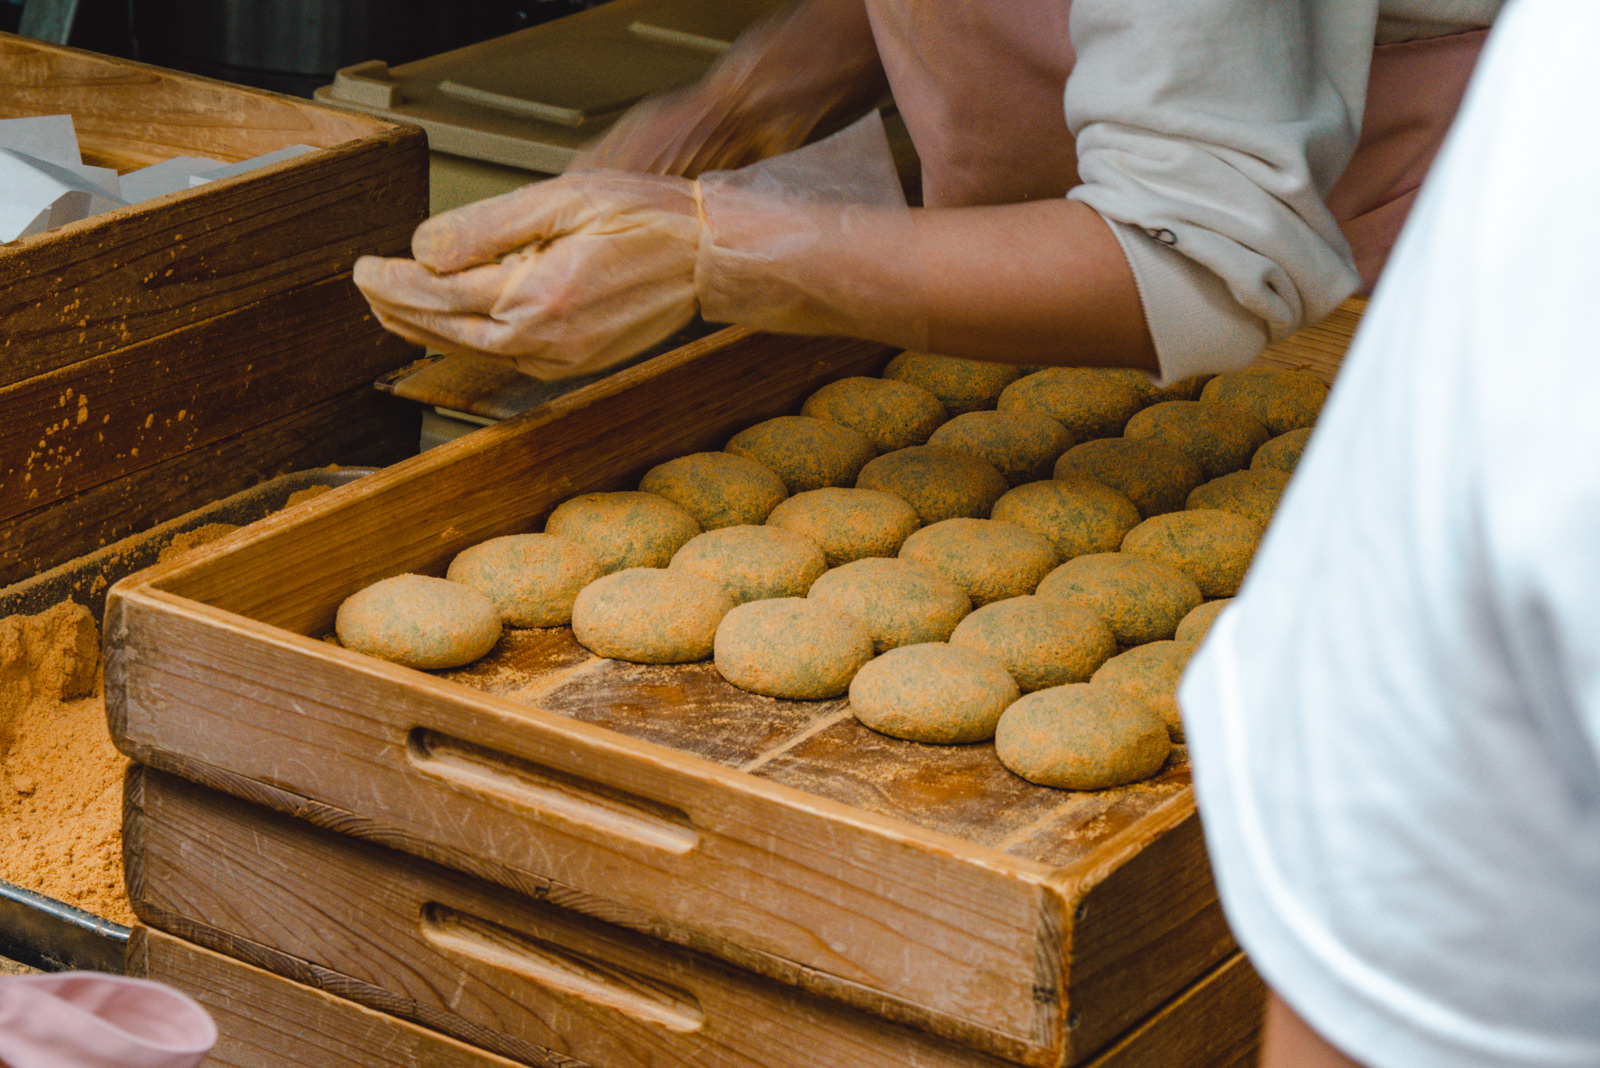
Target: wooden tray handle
pixel 558 968
pixel 526 788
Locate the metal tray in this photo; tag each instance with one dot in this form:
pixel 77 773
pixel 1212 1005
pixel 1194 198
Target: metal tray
pixel 39 931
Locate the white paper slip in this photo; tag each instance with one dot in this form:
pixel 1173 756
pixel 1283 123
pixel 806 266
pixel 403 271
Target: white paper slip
pixel 246 166
pixel 40 195
pixel 168 176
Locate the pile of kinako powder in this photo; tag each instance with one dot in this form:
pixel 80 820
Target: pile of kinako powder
pixel 60 776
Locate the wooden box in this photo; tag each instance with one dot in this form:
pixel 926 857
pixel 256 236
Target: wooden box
pixel 163 355
pixel 523 978
pixel 922 884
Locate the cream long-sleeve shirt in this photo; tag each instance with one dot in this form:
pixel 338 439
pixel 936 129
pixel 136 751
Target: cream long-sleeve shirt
pixel 1209 134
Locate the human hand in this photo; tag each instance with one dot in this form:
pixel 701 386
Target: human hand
pixel 560 277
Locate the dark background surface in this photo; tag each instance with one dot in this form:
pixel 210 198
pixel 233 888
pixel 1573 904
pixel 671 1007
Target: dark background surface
pixel 292 46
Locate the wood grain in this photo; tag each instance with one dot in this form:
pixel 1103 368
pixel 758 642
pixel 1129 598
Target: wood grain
pixel 356 427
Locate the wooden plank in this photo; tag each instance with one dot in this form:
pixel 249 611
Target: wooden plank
pixel 106 418
pixel 130 115
pixel 1216 1023
pixel 356 427
pixel 466 958
pixel 266 1021
pixel 152 270
pixel 1318 349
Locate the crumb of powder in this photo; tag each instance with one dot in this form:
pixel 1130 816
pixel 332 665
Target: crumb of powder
pixel 193 539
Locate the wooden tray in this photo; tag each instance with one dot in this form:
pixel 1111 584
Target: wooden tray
pixel 524 978
pixel 923 884
pixel 166 354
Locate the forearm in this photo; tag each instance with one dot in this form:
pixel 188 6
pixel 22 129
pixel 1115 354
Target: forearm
pixel 1289 1042
pixel 1040 282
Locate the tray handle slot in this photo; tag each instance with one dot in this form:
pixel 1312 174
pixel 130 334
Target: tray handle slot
pixel 526 787
pixel 578 975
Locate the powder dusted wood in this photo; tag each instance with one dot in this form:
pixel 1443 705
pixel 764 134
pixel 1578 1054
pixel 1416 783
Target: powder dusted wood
pixel 719 489
pixel 1076 515
pixel 1252 493
pixel 1022 445
pixel 791 647
pixel 1282 399
pixel 1282 453
pixel 989 559
pixel 961 385
pixel 1150 673
pixel 898 601
pixel 848 523
pixel 1041 642
pixel 805 453
pixel 1088 401
pixel 624 529
pixel 531 578
pixel 933 692
pixel 1195 625
pixel 1155 477
pixel 752 563
pixel 650 615
pixel 1209 545
pixel 1081 737
pixel 193 539
pixel 419 621
pixel 892 414
pixel 1220 437
pixel 937 483
pixel 1141 599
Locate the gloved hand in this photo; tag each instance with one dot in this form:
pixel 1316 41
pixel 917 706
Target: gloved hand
pixel 595 267
pixel 561 277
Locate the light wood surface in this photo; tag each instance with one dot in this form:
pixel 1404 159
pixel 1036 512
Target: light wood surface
pixel 522 977
pixel 923 884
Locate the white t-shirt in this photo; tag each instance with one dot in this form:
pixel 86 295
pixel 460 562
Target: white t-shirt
pixel 1395 729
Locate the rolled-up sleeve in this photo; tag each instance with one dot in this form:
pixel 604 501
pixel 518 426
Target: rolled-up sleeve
pixel 1208 134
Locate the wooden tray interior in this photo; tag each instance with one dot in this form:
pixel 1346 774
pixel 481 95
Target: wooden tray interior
pixel 130 115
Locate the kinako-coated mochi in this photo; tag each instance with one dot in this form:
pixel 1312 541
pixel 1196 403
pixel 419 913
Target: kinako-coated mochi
pixel 531 578
pixel 848 523
pixel 1022 445
pixel 1076 515
pixel 1150 673
pixel 1042 643
pixel 989 559
pixel 892 414
pixel 650 615
pixel 1197 624
pixel 624 529
pixel 1141 599
pixel 791 647
pixel 752 563
pixel 1086 400
pixel 962 385
pixel 1282 399
pixel 1219 437
pixel 805 453
pixel 937 483
pixel 1155 477
pixel 419 621
pixel 899 602
pixel 932 692
pixel 719 489
pixel 1081 737
pixel 1252 493
pixel 1282 453
pixel 1211 546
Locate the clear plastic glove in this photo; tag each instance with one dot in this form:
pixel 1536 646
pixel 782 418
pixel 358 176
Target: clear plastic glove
pixel 89 1020
pixel 562 277
pixel 805 69
pixel 817 241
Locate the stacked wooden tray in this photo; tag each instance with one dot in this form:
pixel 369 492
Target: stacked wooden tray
pixel 643 852
pixel 163 355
